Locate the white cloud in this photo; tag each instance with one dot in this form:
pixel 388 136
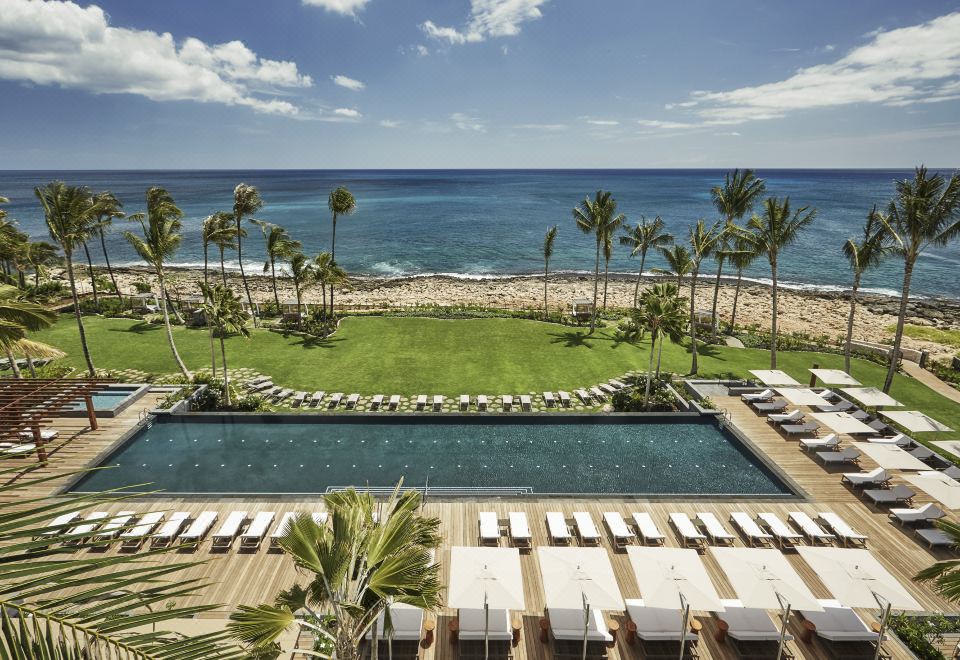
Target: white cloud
pixel 829 48
pixel 344 7
pixel 899 67
pixel 488 18
pixel 390 123
pixel 421 50
pixel 349 83
pixel 603 122
pixel 62 43
pixel 467 123
pixel 349 113
pixel 542 127
pixel 669 125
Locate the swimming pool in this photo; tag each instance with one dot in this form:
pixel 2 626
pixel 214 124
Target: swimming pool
pixel 520 454
pixel 108 402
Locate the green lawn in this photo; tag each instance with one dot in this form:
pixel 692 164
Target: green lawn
pixel 418 355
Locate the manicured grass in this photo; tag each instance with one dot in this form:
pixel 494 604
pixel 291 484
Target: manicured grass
pixel 430 356
pixel 926 333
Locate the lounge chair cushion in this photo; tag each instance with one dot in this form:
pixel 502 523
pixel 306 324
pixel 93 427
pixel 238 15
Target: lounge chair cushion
pixel 472 622
pixel 655 623
pixel 568 624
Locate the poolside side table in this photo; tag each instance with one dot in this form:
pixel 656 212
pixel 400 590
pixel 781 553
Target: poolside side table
pixel 428 627
pixel 695 626
pixel 613 629
pixel 631 633
pixel 722 628
pixel 544 630
pixel 806 634
pixel 454 628
pixel 517 626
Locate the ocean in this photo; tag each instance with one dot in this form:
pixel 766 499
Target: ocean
pixel 490 223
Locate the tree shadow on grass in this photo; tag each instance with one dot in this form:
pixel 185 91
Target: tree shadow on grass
pixel 139 328
pixel 316 342
pixel 573 339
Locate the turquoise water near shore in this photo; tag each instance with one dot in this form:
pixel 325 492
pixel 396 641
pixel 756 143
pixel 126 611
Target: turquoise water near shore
pixel 490 223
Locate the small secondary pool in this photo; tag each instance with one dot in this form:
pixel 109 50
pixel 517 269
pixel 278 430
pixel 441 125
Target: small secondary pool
pixel 108 402
pixel 540 454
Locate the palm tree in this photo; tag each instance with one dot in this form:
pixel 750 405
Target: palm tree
pixel 741 189
pixel 640 238
pixel 357 568
pixel 945 575
pixel 246 202
pixel 40 255
pixel 327 273
pixel 607 255
pixel 769 235
pixel 17 318
pixel 703 242
pixel 280 247
pixel 863 255
pixel 340 202
pixel 925 213
pixel 67 211
pixel 548 240
pixel 225 314
pixel 161 237
pixel 71 608
pixel 109 207
pixel 300 271
pixel 679 261
pixel 661 313
pixel 598 217
pixel 741 254
pixel 217 229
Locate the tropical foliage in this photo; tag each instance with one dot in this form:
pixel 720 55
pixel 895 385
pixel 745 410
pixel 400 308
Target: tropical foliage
pixel 548 240
pixel 598 217
pixel 224 315
pixel 640 238
pixel 340 202
pixel 661 313
pixel 703 242
pixel 17 319
pixel 863 254
pixel 246 202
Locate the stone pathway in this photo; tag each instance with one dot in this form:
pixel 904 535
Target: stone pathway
pixel 915 371
pixel 732 341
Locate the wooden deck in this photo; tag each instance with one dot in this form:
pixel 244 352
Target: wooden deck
pixel 255 577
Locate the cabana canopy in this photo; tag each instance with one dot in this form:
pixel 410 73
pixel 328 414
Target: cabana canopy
pixel 870 396
pixel 28 404
pixel 950 446
pixel 841 422
pixel 891 457
pixel 571 575
pixel 834 377
pixel 938 486
pixel 485 576
pixel 801 396
pixel 915 421
pixel 762 577
pixel 856 578
pixel 673 578
pixel 774 377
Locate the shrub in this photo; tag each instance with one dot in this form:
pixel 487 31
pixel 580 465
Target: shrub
pixel 46 292
pixel 921 634
pixel 943 370
pixel 142 286
pixel 631 400
pixel 211 399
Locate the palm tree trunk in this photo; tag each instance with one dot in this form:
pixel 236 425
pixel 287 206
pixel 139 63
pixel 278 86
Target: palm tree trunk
pixel 736 298
pixel 659 355
pixel 31 366
pixel 296 288
pixel 636 289
pixel 36 276
pixel 243 275
pixel 716 295
pixel 546 270
pixel 646 393
pixel 596 288
pixel 176 312
pixel 93 279
pixel 106 258
pixel 606 278
pixel 273 278
pixel 166 321
pixel 223 269
pixel 693 321
pixel 853 310
pixel 76 313
pixel 333 257
pixel 226 376
pixel 773 317
pixel 206 270
pixel 901 318
pixel 213 352
pixel 13 362
pixel 323 287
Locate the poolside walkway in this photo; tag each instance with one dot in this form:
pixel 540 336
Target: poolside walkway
pixel 914 370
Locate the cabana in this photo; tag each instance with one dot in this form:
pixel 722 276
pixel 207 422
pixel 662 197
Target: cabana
pixel 891 457
pixel 832 377
pixel 857 579
pixel 774 377
pixel 581 310
pixel 915 421
pixel 485 579
pixel 578 580
pixel 147 300
pixel 870 396
pixel 841 422
pixel 801 396
pixel 764 579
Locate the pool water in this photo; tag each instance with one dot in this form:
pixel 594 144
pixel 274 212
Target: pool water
pixel 107 399
pixel 562 454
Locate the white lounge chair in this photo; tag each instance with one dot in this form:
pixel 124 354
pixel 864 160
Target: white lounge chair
pixel 85 529
pixel 815 534
pixel 223 538
pixel 621 533
pixel 520 535
pixel 319 517
pixel 656 624
pixel 316 398
pixel 568 625
pixel 17 449
pixel 620 385
pixel 765 395
pixel 782 534
pixel 587 532
pixel 598 394
pixel 407 626
pixel 936 538
pixel 489 528
pixel 548 400
pixel 750 529
pixel 584 396
pixel 164 536
pixel 875 477
pixel 791 417
pixel 899 440
pixel 464 402
pixel 437 402
pixel 476 625
pixel 376 402
pixel 134 537
pixel 847 534
pixel 648 529
pixel 847 455
pixel 899 494
pixel 607 388
pixel 352 401
pixel 113 527
pixel 252 537
pixel 831 442
pixel 926 513
pixel 45 434
pixel 507 402
pixel 283 394
pixel 750 629
pixel 298 399
pixel 269 391
pixel 482 402
pixel 837 623
pixel 564 399
pixel 715 530
pixel 421 401
pixel 58 525
pixel 689 534
pixel 335 400
pixel 557 527
pixel 394 401
pixel 525 402
pixel 953 472
pixel 199 528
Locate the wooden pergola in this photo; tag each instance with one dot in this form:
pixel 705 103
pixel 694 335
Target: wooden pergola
pixel 29 404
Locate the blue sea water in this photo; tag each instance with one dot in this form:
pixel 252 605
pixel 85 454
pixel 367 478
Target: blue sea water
pixel 488 223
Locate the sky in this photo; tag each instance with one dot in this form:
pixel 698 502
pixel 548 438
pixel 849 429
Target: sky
pixel 239 84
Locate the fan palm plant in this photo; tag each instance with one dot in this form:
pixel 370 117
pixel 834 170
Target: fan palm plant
pixel 598 217
pixel 548 241
pixel 740 255
pixel 607 255
pixel 217 229
pixel 769 234
pixel 924 214
pixel 640 238
pixel 279 247
pixel 225 314
pixel 161 237
pixel 67 211
pixel 246 202
pixel 679 262
pixel 59 607
pixel 741 189
pixel 301 270
pixel 327 273
pixel 109 207
pixel 661 313
pixel 17 319
pixel 863 254
pixel 340 202
pixel 355 570
pixel 703 243
pixel 40 255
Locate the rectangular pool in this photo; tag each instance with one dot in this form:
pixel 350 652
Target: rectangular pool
pixel 108 402
pixel 535 454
